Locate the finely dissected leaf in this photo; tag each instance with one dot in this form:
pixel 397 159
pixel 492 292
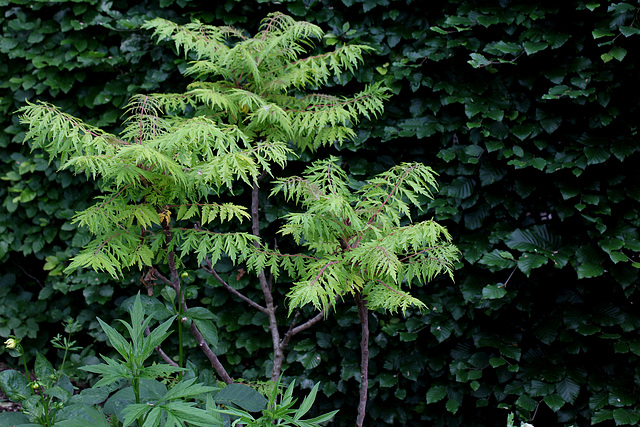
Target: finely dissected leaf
pixel 389 297
pixel 358 238
pixel 162 160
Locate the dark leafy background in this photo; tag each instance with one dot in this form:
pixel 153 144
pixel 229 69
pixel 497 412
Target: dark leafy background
pixel 527 110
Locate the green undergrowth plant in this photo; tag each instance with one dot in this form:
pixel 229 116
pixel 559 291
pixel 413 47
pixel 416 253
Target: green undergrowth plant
pixel 280 410
pixel 131 391
pixel 42 392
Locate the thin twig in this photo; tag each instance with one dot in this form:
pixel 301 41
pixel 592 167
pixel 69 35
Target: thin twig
pixel 209 269
pixel 175 283
pixel 294 330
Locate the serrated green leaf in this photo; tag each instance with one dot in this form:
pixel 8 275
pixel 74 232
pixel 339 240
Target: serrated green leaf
pixel 598 400
pixel 606 57
pixel 494 291
pixel 551 124
pixel 310 360
pixel 438 30
pixel 623 416
pixel 588 270
pixel 526 402
pixel 530 261
pixel 494 145
pixel 477 61
pixel 568 390
pixel 602 415
pixel 200 313
pixel 208 330
pixel 497 361
pixel 452 406
pixel 618 53
pixel 14 385
pixel 507 47
pixel 598 33
pixel 554 402
pixel 533 47
pixel 387 380
pixel 436 393
pixel 242 396
pixel 497 258
pixel 629 31
pixel 43 368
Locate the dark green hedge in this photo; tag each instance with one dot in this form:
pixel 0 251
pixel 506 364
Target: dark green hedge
pixel 527 110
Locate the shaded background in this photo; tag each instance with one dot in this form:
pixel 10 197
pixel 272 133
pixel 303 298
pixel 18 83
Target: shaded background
pixel 527 110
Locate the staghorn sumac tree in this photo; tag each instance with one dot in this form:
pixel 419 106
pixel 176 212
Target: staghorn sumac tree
pixel 168 182
pixel 362 243
pixel 169 177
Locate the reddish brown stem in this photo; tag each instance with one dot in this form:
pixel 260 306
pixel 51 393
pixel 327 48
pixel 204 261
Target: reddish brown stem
pixel 213 359
pixel 175 284
pixel 363 312
pixel 293 329
pixel 278 354
pixel 235 292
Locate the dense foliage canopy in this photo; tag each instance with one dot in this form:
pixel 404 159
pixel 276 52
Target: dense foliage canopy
pixel 527 112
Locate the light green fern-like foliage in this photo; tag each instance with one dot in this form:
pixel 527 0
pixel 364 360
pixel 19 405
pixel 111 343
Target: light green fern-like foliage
pixel 362 240
pixel 250 104
pixel 265 83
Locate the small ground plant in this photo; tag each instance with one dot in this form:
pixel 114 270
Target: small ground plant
pixel 134 392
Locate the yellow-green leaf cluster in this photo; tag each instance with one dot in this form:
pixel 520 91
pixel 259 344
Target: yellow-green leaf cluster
pixel 251 101
pixel 362 240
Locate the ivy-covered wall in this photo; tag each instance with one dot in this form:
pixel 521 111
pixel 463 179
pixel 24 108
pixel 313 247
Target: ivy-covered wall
pixel 527 110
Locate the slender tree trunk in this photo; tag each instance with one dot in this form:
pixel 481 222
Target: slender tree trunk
pixel 176 285
pixel 363 312
pixel 278 353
